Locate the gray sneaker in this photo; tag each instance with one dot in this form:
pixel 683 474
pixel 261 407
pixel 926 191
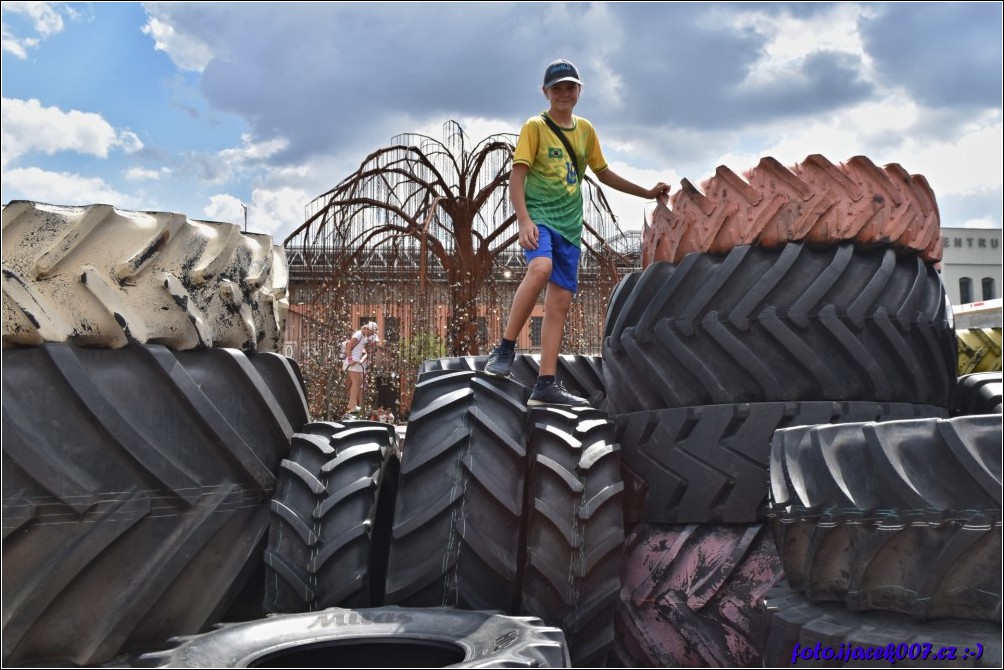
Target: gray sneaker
pixel 555 394
pixel 499 363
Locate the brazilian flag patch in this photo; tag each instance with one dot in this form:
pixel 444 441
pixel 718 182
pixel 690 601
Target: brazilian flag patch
pixel 555 152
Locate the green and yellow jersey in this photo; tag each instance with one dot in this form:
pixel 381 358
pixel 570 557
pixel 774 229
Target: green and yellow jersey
pixel 553 193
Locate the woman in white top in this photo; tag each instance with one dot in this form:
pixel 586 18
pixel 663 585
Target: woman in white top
pixel 355 364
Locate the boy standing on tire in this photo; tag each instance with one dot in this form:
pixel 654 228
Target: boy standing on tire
pixel 545 190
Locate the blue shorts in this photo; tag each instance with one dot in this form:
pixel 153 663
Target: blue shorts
pixel 563 254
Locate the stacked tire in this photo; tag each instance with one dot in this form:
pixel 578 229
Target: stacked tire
pixel 506 508
pixel 145 414
pixel 892 528
pixel 330 518
pixel 796 296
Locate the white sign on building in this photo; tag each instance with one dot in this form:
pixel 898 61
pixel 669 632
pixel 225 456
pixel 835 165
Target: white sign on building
pixel 972 264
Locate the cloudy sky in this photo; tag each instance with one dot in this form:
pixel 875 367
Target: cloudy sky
pixel 199 107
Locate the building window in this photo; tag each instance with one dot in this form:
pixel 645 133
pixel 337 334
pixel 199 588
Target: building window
pixel 392 329
pixel 965 290
pixel 363 320
pixel 989 290
pixel 536 325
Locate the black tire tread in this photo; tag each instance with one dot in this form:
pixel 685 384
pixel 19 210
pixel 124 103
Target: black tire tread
pixel 147 457
pixel 457 523
pixel 790 324
pixel 324 513
pixel 575 528
pixel 914 535
pixel 708 464
pixel 979 393
pixel 581 375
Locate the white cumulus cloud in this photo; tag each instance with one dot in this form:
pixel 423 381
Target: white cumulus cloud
pixel 277 211
pixel 146 174
pixel 28 126
pixel 224 207
pixel 185 50
pixel 45 19
pixel 251 151
pixel 274 211
pixel 61 188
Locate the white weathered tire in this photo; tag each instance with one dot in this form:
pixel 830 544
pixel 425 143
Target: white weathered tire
pixel 104 277
pixel 388 637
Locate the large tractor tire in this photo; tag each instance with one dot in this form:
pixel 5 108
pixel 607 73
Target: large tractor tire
pixel 460 505
pixel 901 516
pixel 323 547
pixel 708 464
pixel 136 485
pixel 618 297
pixel 692 596
pixel 815 201
pixel 581 375
pixel 828 635
pixel 979 393
pixel 575 530
pixel 103 277
pixel 792 324
pixel 383 637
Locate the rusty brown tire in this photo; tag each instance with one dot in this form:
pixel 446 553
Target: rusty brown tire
pixel 136 485
pixel 104 277
pixel 900 516
pixel 815 201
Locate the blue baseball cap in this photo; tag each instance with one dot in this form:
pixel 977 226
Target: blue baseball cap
pixel 559 71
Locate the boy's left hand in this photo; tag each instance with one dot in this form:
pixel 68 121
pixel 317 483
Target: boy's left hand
pixel 657 190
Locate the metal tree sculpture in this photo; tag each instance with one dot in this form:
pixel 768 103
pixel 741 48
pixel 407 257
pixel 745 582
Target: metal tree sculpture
pixel 433 220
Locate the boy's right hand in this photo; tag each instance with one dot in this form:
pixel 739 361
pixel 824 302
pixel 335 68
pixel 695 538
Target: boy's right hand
pixel 528 235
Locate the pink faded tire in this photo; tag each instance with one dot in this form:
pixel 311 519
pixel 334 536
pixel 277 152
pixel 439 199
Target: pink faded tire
pixel 692 595
pixel 814 201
